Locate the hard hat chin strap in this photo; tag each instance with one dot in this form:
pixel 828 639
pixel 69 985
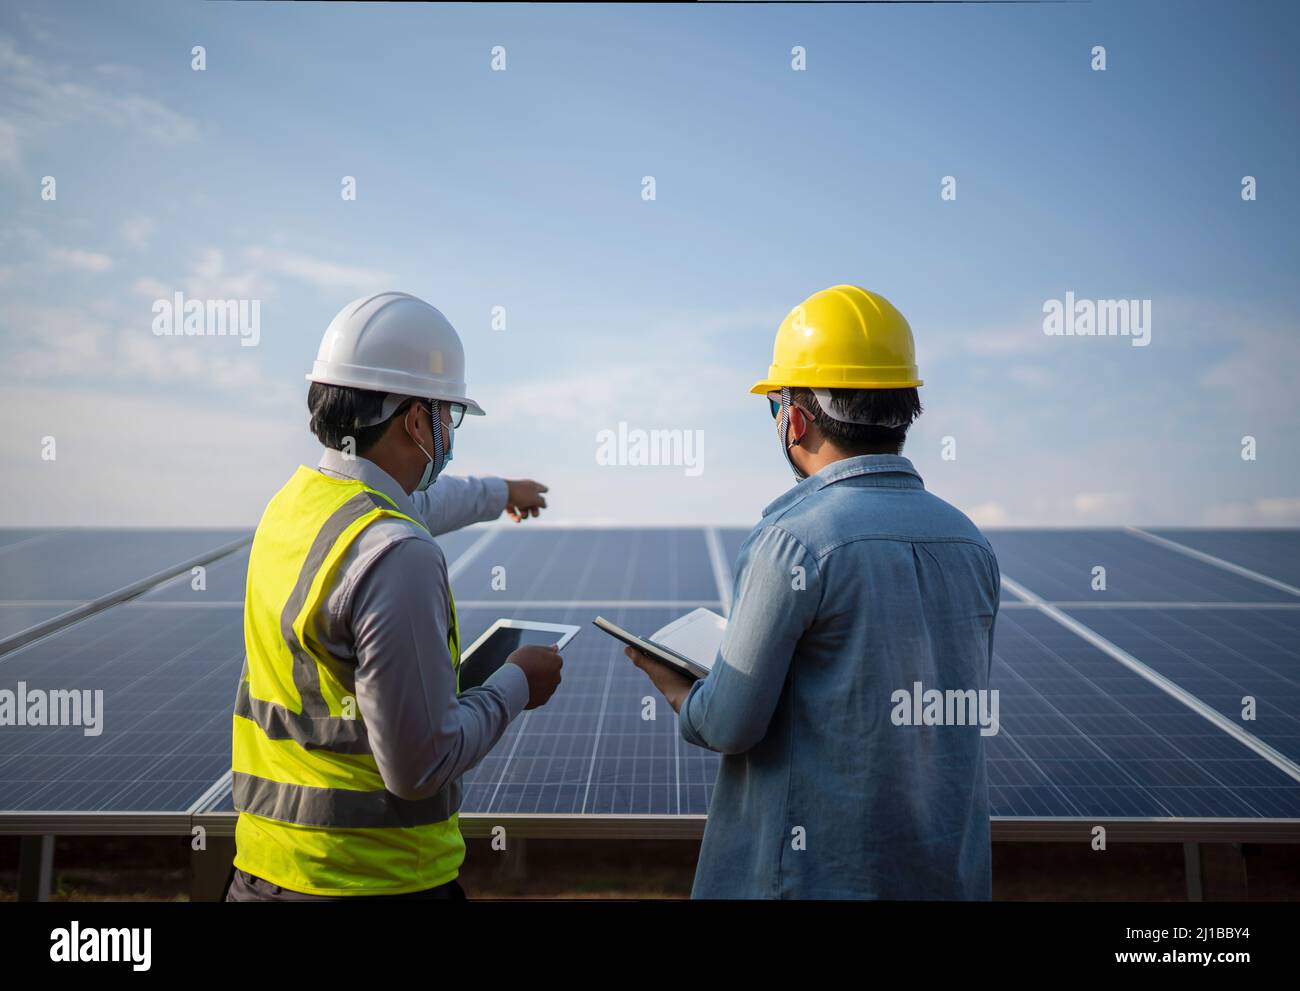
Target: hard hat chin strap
pixel 783 423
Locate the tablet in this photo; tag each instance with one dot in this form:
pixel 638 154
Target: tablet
pixel 489 652
pixel 693 667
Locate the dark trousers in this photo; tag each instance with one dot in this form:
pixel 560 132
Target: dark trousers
pixel 245 887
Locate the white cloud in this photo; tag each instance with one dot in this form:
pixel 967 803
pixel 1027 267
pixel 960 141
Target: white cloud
pixel 322 274
pixel 151 288
pixel 1259 376
pixel 988 514
pixel 8 145
pixel 136 231
pixel 1019 336
pixel 76 258
pixel 57 343
pixel 37 96
pixel 1275 511
pixel 211 276
pixel 1034 376
pixel 203 461
pixel 53 341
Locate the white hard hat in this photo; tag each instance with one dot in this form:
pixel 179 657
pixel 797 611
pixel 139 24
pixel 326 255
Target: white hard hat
pixel 395 343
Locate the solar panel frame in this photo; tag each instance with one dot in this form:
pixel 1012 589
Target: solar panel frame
pixel 1057 565
pixel 602 785
pixel 81 565
pixel 175 704
pixel 1183 644
pixel 1274 553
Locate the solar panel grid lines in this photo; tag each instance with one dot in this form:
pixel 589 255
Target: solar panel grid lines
pixel 1218 562
pixel 457 563
pixel 586 564
pixel 166 713
pixel 84 564
pixel 1109 743
pixel 1169 687
pixel 589 751
pixel 1224 657
pixel 1058 565
pixel 1273 553
pixel 109 573
pixel 1083 736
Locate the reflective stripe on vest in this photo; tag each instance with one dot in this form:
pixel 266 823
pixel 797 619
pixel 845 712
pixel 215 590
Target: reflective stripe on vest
pixel 314 813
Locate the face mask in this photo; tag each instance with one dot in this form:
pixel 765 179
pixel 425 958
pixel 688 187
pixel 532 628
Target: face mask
pixel 438 461
pixel 782 422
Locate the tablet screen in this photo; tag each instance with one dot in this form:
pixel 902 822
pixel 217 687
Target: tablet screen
pixel 492 652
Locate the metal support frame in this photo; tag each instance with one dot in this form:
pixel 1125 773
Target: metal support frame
pixel 1005 829
pixel 1192 868
pixel 35 867
pixel 211 869
pixel 512 862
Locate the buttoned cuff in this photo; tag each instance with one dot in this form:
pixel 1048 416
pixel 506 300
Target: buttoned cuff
pixel 684 722
pixel 512 681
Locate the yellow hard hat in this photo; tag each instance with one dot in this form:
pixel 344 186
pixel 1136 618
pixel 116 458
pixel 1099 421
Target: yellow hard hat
pixel 844 337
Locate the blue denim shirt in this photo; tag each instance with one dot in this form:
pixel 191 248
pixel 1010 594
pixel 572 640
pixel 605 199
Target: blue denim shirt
pixel 856 584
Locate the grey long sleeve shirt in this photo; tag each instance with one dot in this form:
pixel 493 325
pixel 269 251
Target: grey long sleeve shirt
pixel 388 612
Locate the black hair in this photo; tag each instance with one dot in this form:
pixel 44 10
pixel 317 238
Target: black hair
pixel 880 406
pixel 337 409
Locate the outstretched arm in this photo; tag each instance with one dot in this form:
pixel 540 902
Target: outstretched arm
pixel 453 501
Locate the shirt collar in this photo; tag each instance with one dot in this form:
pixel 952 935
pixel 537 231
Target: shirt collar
pixel 863 464
pixel 360 469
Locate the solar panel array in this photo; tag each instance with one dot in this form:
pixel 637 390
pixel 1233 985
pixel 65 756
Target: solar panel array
pixel 1122 702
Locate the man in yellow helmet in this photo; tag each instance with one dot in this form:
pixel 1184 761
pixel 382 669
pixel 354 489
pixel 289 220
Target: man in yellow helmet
pixel 349 735
pixel 859 599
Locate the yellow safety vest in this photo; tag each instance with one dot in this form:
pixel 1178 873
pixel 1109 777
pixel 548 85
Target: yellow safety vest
pixel 314 815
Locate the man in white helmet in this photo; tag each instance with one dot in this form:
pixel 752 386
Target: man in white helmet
pixel 349 735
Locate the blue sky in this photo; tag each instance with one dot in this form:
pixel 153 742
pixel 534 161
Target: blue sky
pixel 522 189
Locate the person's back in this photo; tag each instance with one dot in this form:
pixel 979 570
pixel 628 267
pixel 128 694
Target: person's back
pixel 850 694
pixel 889 593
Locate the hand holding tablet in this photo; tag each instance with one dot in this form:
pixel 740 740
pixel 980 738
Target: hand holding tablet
pixel 689 644
pixel 534 647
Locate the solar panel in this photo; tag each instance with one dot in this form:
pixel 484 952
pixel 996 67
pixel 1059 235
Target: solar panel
pixel 77 565
pixel 168 678
pixel 10 537
pixel 592 749
pixel 1222 656
pixel 226 578
pixel 1275 553
pixel 1058 566
pixel 556 565
pixel 18 616
pixel 46 573
pixel 1082 736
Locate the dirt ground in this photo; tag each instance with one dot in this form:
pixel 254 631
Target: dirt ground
pixel 153 868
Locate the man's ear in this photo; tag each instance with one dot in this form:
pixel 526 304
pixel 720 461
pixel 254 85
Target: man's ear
pixel 411 421
pixel 800 421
